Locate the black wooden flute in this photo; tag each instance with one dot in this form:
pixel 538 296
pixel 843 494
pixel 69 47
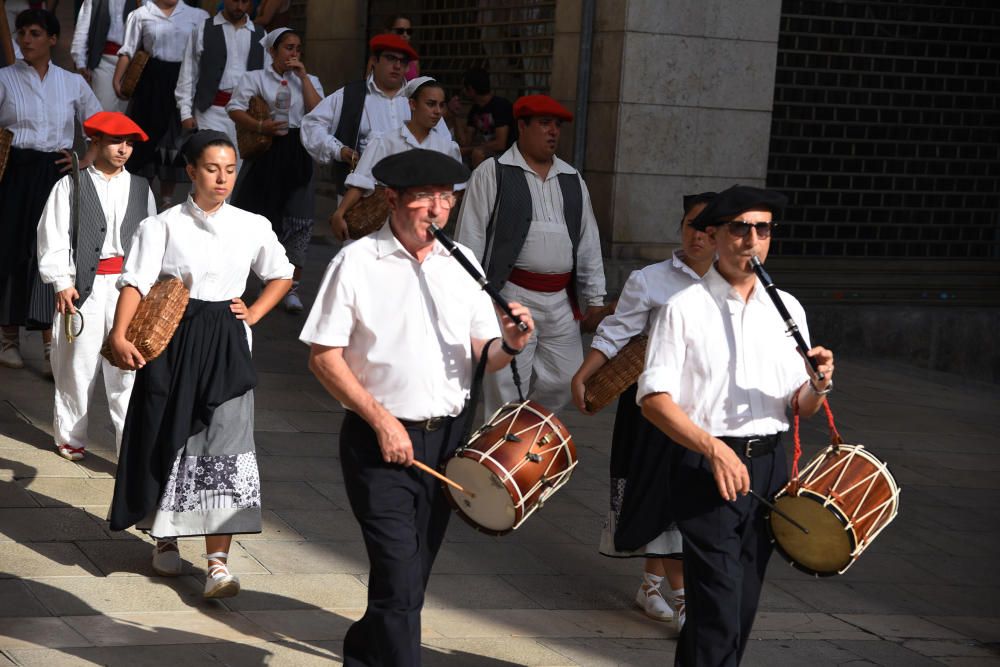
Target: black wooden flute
pixel 792 328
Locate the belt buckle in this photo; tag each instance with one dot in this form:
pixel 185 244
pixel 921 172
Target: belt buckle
pixel 433 424
pixel 748 447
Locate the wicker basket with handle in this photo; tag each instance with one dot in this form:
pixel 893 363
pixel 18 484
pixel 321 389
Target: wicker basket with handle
pixel 6 140
pixel 367 215
pixel 617 375
pixel 133 73
pixel 156 319
pixel 250 143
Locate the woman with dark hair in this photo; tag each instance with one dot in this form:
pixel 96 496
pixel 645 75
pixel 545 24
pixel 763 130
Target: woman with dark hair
pixel 423 130
pixel 279 184
pixel 187 464
pixel 160 28
pixel 40 104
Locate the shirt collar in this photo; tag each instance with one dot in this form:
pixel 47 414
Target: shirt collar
pixel 387 244
pixel 408 137
pixel 513 157
pixel 196 212
pixel 375 90
pixel 179 8
pixel 723 292
pixel 678 263
pixel 94 171
pixel 219 19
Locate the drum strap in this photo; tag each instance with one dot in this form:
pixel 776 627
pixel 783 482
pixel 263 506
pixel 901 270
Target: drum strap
pixel 477 385
pixel 835 438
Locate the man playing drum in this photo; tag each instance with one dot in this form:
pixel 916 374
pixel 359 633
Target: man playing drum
pixel 395 331
pixel 720 374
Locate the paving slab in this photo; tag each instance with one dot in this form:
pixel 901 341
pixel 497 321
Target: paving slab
pixel 899 626
pixel 81 596
pixel 41 559
pixel 51 524
pixel 259 592
pixel 118 656
pixel 167 627
pixel 277 654
pixel 39 632
pixel 16 599
pixel 74 492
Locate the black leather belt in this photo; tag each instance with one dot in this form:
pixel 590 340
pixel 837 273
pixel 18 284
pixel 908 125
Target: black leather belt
pixel 429 425
pixel 754 445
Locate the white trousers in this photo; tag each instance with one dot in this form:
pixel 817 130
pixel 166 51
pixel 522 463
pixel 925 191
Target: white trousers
pixel 75 366
pixel 101 83
pixel 550 359
pixel 216 118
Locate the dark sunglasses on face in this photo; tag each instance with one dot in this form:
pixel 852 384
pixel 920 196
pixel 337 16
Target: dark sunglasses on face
pixel 396 60
pixel 403 31
pixel 741 228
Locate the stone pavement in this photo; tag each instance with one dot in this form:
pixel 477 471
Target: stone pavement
pixel 74 593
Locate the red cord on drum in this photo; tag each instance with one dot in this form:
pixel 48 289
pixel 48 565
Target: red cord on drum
pixel 835 438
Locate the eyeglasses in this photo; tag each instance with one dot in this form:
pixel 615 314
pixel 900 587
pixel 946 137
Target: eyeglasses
pixel 403 31
pixel 396 60
pixel 741 228
pixel 444 199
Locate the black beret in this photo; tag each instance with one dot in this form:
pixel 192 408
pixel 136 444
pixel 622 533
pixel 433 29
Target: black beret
pixel 736 200
pixel 196 143
pixel 419 167
pixel 701 198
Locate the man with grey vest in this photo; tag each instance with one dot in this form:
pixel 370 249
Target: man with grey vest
pixel 527 217
pixel 218 53
pixel 100 30
pixel 84 233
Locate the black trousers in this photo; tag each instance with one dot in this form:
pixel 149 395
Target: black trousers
pixel 403 515
pixel 726 550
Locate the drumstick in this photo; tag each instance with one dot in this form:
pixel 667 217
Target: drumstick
pixel 434 473
pixel 774 509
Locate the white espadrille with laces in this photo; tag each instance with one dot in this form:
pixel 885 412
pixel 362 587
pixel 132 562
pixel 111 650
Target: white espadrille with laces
pixel 221 583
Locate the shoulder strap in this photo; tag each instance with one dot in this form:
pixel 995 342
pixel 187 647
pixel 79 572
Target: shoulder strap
pixel 469 413
pixel 350 112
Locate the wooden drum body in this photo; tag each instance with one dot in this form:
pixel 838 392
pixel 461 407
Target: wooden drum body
pixel 512 464
pixel 845 497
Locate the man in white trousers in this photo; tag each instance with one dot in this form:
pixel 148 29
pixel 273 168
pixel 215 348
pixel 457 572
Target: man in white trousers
pixel 84 233
pixel 100 30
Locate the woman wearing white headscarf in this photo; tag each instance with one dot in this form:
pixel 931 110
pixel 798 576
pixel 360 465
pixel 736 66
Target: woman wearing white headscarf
pixel 279 184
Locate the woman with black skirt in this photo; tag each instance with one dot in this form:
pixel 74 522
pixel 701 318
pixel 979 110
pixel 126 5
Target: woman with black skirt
pixel 279 184
pixel 161 28
pixel 40 104
pixel 187 465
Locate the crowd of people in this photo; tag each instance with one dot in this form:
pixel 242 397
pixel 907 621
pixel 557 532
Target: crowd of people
pixel 398 326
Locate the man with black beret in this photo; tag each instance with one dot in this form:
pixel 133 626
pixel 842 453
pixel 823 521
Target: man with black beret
pixel 720 375
pixel 395 332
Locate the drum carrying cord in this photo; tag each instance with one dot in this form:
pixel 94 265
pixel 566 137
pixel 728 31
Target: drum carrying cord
pixel 835 439
pixel 517 379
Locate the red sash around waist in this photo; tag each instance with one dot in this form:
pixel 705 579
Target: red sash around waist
pixel 111 48
pixel 221 98
pixel 547 282
pixel 110 265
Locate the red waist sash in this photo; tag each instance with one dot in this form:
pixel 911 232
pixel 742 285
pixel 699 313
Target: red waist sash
pixel 547 282
pixel 111 48
pixel 221 98
pixel 110 265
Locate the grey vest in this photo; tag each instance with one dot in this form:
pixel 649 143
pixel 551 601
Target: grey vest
pixel 509 225
pixel 93 228
pixel 100 23
pixel 213 61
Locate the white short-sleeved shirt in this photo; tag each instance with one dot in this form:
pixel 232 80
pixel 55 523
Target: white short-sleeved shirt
pixel 645 290
pixel 406 326
pixel 728 364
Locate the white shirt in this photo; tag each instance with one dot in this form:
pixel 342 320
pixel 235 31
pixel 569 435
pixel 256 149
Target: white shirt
pixel 728 364
pixel 396 141
pixel 211 253
pixel 645 290
pixel 41 112
pixel 55 260
pixel 406 327
pixel 237 50
pixel 161 36
pixel 116 30
pixel 382 113
pixel 547 248
pixel 265 82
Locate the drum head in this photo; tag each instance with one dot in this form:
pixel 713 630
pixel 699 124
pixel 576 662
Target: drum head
pixel 826 550
pixel 492 509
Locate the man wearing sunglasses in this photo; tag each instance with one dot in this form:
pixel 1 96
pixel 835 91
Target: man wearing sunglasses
pixel 720 375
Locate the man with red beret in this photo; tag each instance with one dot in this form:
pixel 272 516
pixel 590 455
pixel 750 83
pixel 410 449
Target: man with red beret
pixel 338 129
pixel 84 233
pixel 539 243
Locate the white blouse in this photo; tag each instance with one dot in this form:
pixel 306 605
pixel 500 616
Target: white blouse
pixel 396 141
pixel 728 364
pixel 161 36
pixel 55 261
pixel 406 326
pixel 212 253
pixel 41 112
pixel 265 82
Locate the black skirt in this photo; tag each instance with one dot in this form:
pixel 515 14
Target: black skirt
pixel 642 461
pixel 154 109
pixel 270 180
pixel 24 299
pixel 174 397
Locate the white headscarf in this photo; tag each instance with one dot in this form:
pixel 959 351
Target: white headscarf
pixel 411 86
pixel 268 40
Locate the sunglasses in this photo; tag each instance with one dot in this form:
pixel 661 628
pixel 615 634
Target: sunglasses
pixel 741 228
pixel 403 31
pixel 396 60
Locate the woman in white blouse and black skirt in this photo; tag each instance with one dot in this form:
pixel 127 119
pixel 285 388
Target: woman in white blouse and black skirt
pixel 160 28
pixel 279 184
pixel 187 465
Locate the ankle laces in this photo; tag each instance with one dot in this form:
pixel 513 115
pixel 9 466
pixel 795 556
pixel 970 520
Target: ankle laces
pixel 218 569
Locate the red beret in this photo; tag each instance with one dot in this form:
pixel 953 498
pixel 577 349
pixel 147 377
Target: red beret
pixel 113 124
pixel 540 105
pixel 390 42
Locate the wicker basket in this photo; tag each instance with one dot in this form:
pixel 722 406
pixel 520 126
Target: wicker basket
pixel 133 73
pixel 368 215
pixel 250 143
pixel 616 376
pixel 6 139
pixel 155 320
